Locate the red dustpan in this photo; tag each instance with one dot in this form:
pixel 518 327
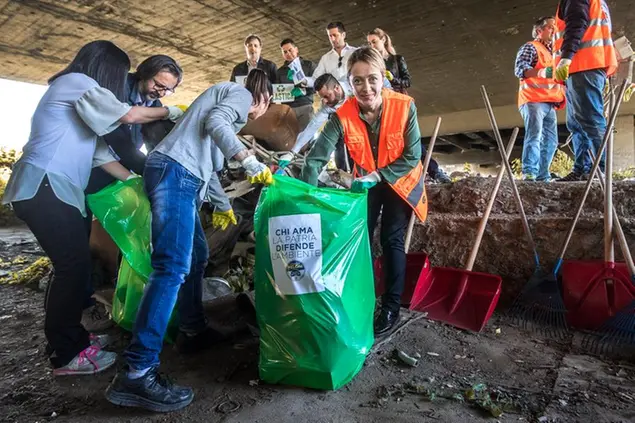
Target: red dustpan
pixel 417 264
pixel 594 291
pixel 462 298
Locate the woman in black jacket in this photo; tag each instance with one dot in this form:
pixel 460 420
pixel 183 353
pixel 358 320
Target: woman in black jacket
pixel 395 64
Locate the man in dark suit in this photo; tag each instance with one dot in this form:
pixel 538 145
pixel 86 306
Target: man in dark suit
pixel 253 48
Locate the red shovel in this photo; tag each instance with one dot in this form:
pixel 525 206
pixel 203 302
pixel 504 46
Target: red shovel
pixel 594 291
pixel 417 264
pixel 463 298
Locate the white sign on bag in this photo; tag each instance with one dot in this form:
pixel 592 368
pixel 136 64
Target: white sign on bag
pixel 295 243
pixel 282 93
pixel 241 79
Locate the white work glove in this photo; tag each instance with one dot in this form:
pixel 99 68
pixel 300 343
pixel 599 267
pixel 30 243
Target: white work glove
pixel 366 182
pixel 174 113
pixel 133 176
pixel 546 72
pixel 284 160
pixel 256 172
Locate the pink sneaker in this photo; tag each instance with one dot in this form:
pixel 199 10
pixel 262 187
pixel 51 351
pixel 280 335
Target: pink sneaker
pixel 88 362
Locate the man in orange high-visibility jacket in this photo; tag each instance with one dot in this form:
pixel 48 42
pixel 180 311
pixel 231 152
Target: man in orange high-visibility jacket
pixel 380 129
pixel 539 95
pixel 584 58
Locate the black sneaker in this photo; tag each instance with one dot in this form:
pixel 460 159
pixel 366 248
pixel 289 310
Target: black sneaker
pixel 573 177
pixel 152 391
pixel 193 343
pixel 386 321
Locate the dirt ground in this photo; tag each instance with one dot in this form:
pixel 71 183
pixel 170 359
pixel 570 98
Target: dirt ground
pixel 533 378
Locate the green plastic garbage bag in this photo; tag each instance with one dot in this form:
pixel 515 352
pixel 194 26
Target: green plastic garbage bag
pixel 123 209
pixel 314 284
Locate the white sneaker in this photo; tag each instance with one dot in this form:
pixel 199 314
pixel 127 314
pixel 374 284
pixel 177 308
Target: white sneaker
pixel 88 362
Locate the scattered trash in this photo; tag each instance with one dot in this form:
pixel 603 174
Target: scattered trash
pixel 406 359
pixel 433 354
pixel 31 274
pixel 498 331
pixel 543 419
pixel 518 361
pixel 563 402
pixel 53 414
pixel 254 382
pixel 227 406
pixel 460 357
pixel 417 355
pixel 622 373
pixel 215 288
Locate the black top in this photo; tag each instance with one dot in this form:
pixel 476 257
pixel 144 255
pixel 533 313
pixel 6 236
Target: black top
pixel 242 69
pixel 282 78
pixel 396 64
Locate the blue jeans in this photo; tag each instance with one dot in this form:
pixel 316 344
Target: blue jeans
pixel 585 116
pixel 541 139
pixel 179 258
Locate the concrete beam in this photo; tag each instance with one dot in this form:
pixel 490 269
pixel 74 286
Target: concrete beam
pixel 476 119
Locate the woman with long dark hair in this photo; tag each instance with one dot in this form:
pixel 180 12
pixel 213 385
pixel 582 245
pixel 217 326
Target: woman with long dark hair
pixel 83 102
pixel 395 63
pixel 179 173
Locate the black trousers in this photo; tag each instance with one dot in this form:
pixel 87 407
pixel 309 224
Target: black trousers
pixel 61 232
pixel 394 221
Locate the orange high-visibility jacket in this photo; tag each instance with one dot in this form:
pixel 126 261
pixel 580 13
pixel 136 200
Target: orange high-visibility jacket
pixel 394 118
pixel 596 49
pixel 541 90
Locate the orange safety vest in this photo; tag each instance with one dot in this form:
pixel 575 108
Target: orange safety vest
pixel 596 49
pixel 541 90
pixel 394 118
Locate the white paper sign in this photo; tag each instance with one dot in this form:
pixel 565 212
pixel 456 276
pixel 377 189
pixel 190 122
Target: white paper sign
pixel 295 243
pixel 282 93
pixel 296 67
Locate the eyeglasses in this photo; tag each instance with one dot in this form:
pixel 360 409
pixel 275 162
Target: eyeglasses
pixel 160 87
pixel 339 62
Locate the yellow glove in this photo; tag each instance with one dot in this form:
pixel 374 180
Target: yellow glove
pixel 562 71
pixel 257 173
pixel 182 107
pixel 220 220
pixel 629 93
pixel 265 177
pixel 389 75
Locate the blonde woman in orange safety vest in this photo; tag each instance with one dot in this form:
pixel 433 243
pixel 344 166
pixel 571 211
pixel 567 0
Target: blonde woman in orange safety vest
pixel 584 58
pixel 380 129
pixel 539 95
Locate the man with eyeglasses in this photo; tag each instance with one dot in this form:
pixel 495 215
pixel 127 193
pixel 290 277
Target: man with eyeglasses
pixel 154 78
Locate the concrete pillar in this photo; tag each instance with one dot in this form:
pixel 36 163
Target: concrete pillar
pixel 624 144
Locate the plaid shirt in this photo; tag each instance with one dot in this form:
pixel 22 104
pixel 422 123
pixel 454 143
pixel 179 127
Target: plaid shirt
pixel 527 58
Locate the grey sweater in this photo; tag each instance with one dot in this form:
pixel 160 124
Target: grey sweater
pixel 209 124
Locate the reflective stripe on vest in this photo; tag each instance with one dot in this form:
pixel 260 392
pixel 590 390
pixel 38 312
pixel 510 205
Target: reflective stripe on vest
pixel 595 50
pixel 394 119
pixel 541 90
